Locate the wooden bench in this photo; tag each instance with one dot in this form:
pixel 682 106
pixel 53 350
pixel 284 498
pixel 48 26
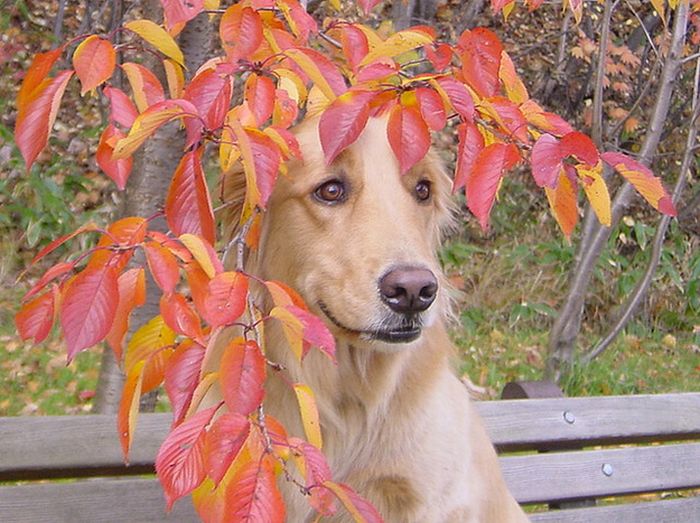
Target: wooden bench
pixel 557 452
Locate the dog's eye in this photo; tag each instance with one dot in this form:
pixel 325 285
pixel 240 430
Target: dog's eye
pixel 332 191
pixel 422 191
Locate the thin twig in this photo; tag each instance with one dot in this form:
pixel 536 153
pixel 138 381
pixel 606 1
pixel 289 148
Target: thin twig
pixel 644 28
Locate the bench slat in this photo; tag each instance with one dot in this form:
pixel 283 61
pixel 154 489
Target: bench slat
pixel 540 423
pixel 560 476
pixel 91 500
pixel 75 446
pixel 680 510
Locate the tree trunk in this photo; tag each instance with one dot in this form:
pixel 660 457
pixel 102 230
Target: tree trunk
pixel 562 341
pixel 154 165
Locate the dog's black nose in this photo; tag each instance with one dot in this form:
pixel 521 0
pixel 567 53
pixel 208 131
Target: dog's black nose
pixel 408 290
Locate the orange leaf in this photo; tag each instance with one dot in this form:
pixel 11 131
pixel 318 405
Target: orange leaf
pixel 242 376
pixel 408 135
pixel 563 203
pixel 146 88
pixel 36 317
pixel 241 32
pixel 515 89
pixel 253 494
pixel 35 118
pixel 180 317
pixel 203 253
pixel 543 120
pixel 188 204
pixel 36 74
pixel 132 294
pixel 643 179
pixel 226 299
pixel 129 407
pixel 94 61
pixel 88 307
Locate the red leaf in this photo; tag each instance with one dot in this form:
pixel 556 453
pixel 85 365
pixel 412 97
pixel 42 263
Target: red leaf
pixel 361 509
pixel 545 121
pixel 125 233
pixel 132 294
pixel 241 32
pixel 440 55
pixel 481 60
pixel 253 494
pixel 471 143
pixel 121 109
pixel 242 375
pixel 224 440
pixel 315 331
pixel 36 74
pixel 546 161
pixel 180 461
pixel 355 45
pixel 179 11
pixel 581 147
pixel 36 317
pixel 377 70
pixel 510 117
pixel 37 116
pixel 324 73
pixel 56 271
pixel 188 205
pixel 226 299
pixel 118 170
pixel 94 61
pixel 317 472
pixel 181 377
pixel 343 122
pixel 163 265
pixel 179 315
pixel 491 164
pixel 55 244
pixel 643 180
pixel 260 95
pixel 261 162
pixel 210 92
pixel 432 108
pixel 300 22
pixel 408 135
pixel 458 96
pixel 88 308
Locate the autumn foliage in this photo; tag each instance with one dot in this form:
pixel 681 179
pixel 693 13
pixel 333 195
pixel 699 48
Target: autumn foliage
pixel 277 65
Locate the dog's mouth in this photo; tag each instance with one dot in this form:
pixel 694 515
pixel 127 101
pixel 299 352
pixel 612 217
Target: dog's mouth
pixel 408 330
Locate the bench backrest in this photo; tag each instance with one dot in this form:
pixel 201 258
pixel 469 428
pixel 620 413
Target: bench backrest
pixel 546 436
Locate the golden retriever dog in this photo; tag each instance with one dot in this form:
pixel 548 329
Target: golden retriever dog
pixel 358 241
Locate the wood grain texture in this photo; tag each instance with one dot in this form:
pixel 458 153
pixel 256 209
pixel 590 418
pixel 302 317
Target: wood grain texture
pixel 542 423
pixel 91 501
pixel 559 476
pixel 670 511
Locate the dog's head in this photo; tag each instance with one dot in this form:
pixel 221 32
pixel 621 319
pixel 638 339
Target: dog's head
pixel 358 240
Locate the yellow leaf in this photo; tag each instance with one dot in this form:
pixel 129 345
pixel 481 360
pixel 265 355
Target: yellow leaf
pixel 397 44
pixel 129 406
pixel 158 38
pixel 200 392
pixel 508 9
pixel 229 152
pixel 291 82
pixel 335 4
pixel 252 194
pixel 293 329
pixel 148 339
pixel 198 249
pixel 145 125
pixel 211 5
pixel 309 414
pixel 312 71
pixel 596 191
pixel 175 76
pixel 316 103
pixel 515 89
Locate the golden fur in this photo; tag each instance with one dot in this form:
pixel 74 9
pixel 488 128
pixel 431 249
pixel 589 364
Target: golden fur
pixel 397 424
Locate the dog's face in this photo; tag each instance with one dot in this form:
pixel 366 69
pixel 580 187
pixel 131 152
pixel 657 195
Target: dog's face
pixel 358 240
